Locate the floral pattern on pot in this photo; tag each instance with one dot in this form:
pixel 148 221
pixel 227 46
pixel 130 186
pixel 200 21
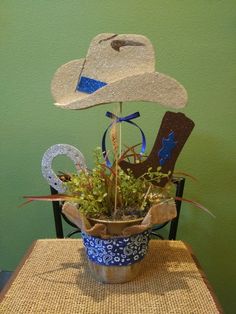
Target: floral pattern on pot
pixel 120 251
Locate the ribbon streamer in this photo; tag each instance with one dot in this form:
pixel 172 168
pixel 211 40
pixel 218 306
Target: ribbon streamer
pixel 119 120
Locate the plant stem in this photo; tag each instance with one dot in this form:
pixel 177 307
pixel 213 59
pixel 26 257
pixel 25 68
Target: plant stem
pixel 116 181
pixel 116 161
pixel 120 113
pixel 146 195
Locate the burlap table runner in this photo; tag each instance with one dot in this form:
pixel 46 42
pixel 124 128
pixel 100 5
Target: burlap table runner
pixel 54 279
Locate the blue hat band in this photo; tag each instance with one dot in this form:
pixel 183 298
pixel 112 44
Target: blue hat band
pixel 88 85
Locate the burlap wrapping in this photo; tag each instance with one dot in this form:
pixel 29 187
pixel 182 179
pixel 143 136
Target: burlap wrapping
pixel 157 214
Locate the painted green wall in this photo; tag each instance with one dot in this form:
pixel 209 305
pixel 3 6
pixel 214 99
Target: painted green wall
pixel 194 42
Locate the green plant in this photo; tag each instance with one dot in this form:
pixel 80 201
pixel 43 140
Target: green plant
pixel 110 192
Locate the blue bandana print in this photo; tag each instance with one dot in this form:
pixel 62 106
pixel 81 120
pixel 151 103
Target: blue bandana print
pixel 116 251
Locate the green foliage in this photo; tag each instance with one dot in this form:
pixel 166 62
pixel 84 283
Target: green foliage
pixel 110 193
pixel 95 190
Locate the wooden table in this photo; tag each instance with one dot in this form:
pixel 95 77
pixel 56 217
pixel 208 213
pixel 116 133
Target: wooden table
pixel 54 278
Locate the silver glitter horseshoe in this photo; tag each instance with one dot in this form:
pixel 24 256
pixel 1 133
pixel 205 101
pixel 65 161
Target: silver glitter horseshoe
pixel 60 149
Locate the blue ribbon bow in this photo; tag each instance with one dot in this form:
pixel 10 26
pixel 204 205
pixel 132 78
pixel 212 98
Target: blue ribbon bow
pixel 119 120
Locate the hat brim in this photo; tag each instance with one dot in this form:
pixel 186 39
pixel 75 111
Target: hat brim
pixel 151 87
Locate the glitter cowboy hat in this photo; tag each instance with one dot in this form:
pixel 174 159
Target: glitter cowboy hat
pixel 117 68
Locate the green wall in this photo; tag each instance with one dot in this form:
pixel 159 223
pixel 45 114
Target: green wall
pixel 194 42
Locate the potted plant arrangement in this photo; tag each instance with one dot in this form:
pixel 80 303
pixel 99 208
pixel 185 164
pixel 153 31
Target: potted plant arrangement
pixel 115 215
pixel 117 203
pixel 115 210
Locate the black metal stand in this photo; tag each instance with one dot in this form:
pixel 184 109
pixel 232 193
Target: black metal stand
pixel 179 182
pixel 57 207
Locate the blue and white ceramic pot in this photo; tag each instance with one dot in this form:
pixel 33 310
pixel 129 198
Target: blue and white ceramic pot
pixel 116 259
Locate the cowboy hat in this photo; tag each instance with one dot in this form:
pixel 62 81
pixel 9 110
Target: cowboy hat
pixel 117 68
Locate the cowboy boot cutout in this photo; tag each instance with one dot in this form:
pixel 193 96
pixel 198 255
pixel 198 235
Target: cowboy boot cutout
pixel 173 133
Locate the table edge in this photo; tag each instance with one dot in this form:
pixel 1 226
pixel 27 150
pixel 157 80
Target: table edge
pixel 16 271
pixel 204 278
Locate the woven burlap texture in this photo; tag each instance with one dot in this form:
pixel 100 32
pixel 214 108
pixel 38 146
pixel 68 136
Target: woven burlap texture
pixel 55 279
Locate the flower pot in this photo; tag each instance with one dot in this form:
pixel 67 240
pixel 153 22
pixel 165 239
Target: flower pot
pixel 116 259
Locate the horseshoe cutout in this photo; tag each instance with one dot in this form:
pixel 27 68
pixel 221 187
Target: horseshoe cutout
pixel 60 149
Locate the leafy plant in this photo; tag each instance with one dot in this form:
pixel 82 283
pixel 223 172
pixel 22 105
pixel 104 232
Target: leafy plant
pixel 110 192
